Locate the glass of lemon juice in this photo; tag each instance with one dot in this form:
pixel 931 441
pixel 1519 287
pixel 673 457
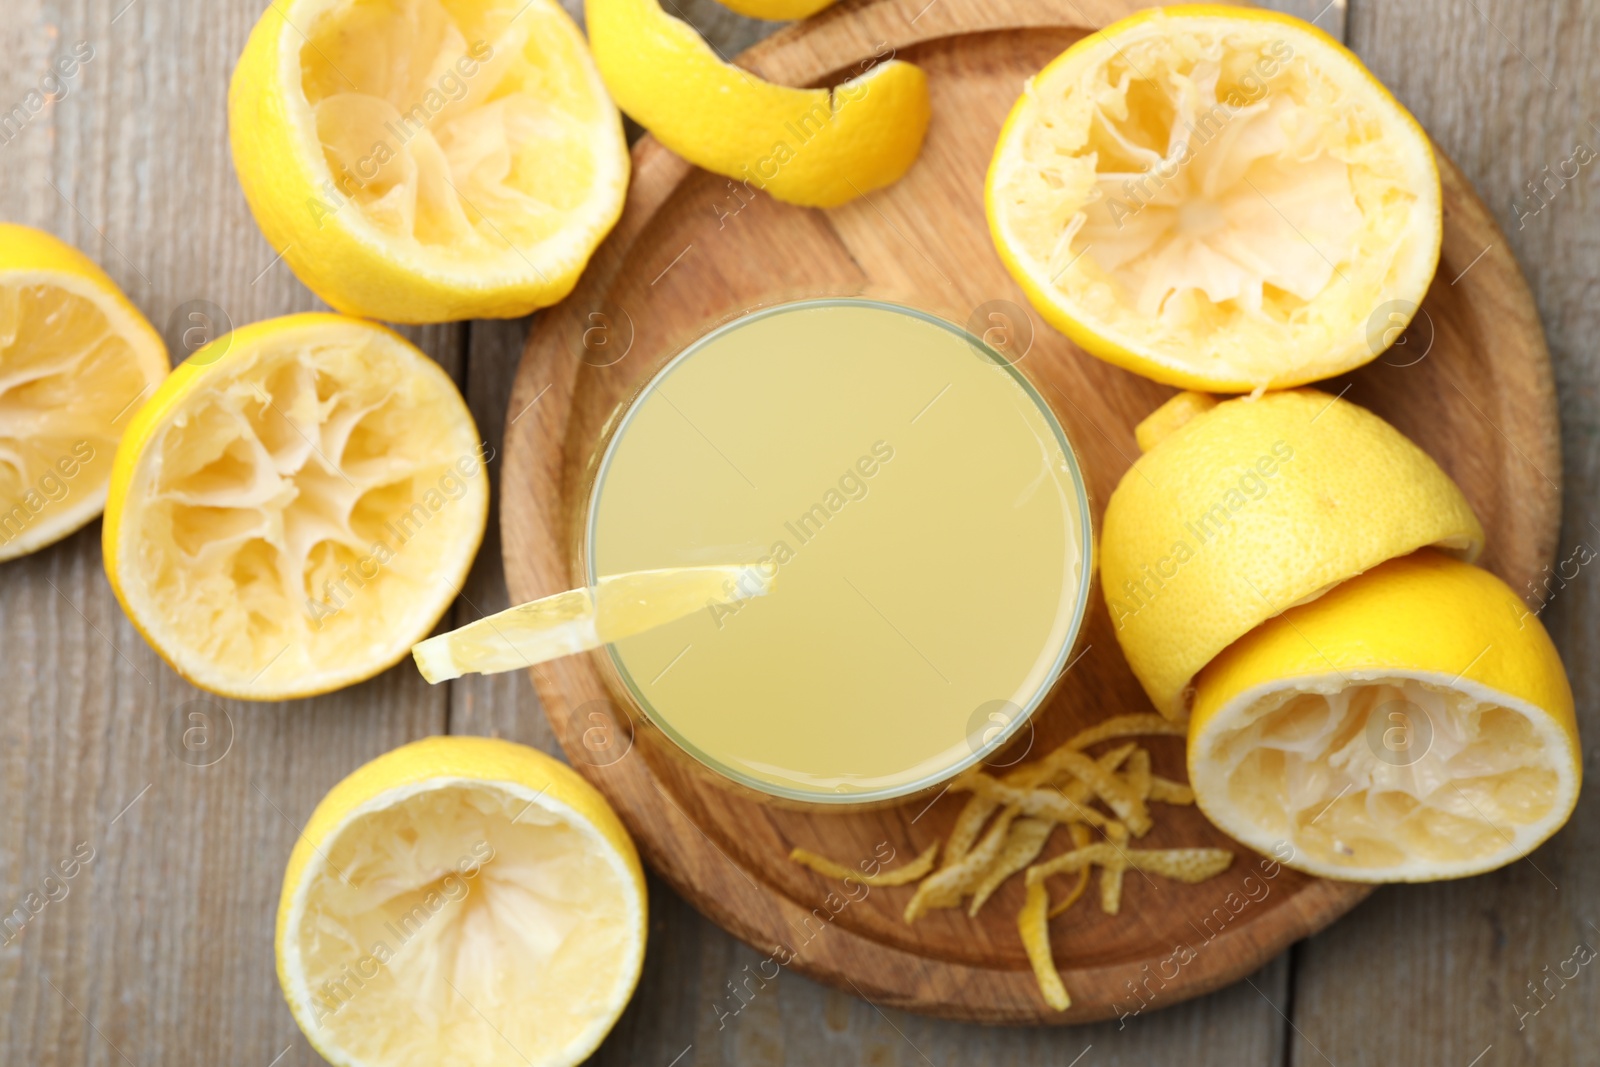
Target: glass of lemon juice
pixel 920 516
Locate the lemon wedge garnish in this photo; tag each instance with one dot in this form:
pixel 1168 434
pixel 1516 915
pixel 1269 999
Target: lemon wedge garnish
pixel 421 162
pixel 1216 198
pixel 461 900
pixel 1412 724
pixel 294 507
pixel 1248 507
pixel 618 606
pixel 815 147
pixel 76 360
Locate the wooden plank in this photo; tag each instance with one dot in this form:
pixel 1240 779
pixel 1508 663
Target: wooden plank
pixel 1439 974
pixel 496 705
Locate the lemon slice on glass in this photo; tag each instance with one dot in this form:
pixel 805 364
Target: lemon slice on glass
pixel 1242 509
pixel 295 507
pixel 76 359
pixel 461 900
pixel 619 606
pixel 424 160
pixel 814 147
pixel 1216 198
pixel 1412 724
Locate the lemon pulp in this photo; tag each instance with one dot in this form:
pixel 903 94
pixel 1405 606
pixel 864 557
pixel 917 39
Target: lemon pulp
pixel 427 160
pixel 1376 774
pixel 443 134
pixel 1410 724
pixel 464 922
pixel 300 504
pixel 1213 197
pixel 68 382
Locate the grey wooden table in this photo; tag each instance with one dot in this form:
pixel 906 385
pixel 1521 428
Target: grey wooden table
pixel 160 950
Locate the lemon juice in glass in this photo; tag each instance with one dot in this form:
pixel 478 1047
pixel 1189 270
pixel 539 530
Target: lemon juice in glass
pixel 917 513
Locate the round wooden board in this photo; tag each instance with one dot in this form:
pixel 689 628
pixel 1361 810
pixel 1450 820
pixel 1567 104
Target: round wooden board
pixel 1472 386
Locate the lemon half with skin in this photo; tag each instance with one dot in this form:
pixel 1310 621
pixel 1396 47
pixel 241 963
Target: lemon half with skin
pixel 1216 198
pixel 461 902
pixel 295 507
pixel 1251 507
pixel 76 360
pixel 427 160
pixel 777 10
pixel 813 147
pixel 1413 724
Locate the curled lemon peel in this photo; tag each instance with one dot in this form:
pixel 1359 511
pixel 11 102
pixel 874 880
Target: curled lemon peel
pixel 811 147
pixel 777 10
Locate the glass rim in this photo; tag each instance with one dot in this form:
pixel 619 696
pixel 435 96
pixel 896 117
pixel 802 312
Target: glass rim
pixel 1057 668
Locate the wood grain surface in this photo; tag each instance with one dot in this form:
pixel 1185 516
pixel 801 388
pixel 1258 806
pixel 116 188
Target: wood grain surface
pixel 160 953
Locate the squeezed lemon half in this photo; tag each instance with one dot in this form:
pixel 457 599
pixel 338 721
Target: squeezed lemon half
pixel 1216 198
pixel 295 506
pixel 76 361
pixel 427 160
pixel 621 605
pixel 461 901
pixel 1412 724
pixel 1242 509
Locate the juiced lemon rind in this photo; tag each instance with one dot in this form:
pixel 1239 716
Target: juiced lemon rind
pixel 384 1008
pixel 296 505
pixel 505 236
pixel 59 462
pixel 1413 724
pixel 1252 507
pixel 1277 283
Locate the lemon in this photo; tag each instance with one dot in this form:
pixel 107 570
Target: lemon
pixel 1179 409
pixel 1413 724
pixel 427 160
pixel 815 147
pixel 774 10
pixel 621 605
pixel 76 358
pixel 460 901
pixel 295 507
pixel 1251 507
pixel 1216 198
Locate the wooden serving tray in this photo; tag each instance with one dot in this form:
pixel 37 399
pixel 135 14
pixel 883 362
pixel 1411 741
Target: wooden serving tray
pixel 1471 384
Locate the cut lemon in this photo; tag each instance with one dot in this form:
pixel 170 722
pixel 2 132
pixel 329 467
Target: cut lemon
pixel 1216 198
pixel 1413 724
pixel 459 901
pixel 295 507
pixel 76 358
pixel 621 605
pixel 815 147
pixel 1250 507
pixel 427 160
